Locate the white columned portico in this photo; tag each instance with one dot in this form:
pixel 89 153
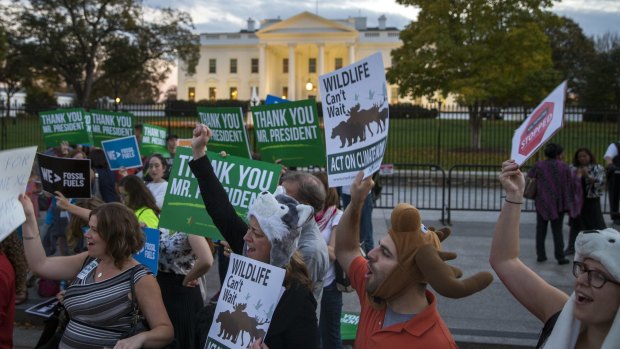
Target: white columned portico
pixel 262 70
pixel 291 72
pixel 351 47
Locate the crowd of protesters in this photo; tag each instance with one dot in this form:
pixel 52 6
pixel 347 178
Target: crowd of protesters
pixel 87 245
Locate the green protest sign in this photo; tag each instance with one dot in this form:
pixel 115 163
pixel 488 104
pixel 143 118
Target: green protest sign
pixel 107 125
pixel 71 125
pixel 348 325
pixel 228 130
pixel 290 132
pixel 153 140
pixel 243 179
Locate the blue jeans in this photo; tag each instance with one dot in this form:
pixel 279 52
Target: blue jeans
pixel 329 322
pixel 366 238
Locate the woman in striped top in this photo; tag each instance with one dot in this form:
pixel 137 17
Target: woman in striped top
pixel 98 299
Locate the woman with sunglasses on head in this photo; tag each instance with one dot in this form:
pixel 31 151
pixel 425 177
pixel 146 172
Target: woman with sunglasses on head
pixel 98 300
pixel 589 317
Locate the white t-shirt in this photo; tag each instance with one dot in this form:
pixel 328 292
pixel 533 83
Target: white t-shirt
pixel 159 191
pixel 327 234
pixel 611 151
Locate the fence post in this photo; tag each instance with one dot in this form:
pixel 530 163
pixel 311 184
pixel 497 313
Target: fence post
pixel 3 133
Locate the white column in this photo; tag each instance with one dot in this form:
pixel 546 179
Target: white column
pixel 291 72
pixel 262 70
pixel 351 53
pixel 321 61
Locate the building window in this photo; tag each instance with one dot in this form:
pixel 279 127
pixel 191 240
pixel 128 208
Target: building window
pixel 285 66
pixel 338 63
pixel 212 66
pixel 285 92
pixel 254 66
pixel 311 65
pixel 233 93
pixel 233 66
pixel 191 94
pixel 212 93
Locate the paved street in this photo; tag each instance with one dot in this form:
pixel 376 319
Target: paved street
pixel 483 320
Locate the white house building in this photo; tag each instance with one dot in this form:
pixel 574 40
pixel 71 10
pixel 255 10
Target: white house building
pixel 284 57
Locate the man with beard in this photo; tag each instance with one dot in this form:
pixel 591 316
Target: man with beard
pixel 396 309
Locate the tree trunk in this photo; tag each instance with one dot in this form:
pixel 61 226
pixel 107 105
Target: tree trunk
pixel 475 126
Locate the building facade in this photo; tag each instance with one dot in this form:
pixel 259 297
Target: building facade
pixel 284 57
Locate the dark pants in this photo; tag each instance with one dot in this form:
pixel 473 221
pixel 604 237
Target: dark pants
pixel 182 304
pixel 366 238
pixel 329 322
pixel 613 185
pixel 541 234
pixel 590 218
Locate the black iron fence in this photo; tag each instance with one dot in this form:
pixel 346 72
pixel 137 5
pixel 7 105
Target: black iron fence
pixel 462 188
pixel 422 143
pixel 417 135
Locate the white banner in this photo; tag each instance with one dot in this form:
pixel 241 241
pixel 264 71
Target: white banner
pixel 15 167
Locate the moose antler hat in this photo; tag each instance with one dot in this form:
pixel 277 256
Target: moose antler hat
pixel 420 260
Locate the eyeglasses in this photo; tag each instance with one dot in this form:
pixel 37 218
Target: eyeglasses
pixel 595 278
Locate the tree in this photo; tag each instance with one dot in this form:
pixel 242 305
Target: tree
pixel 129 73
pixel 572 52
pixel 78 40
pixel 14 68
pixel 483 52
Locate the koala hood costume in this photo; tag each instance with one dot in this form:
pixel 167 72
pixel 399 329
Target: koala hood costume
pixel 604 247
pixel 420 260
pixel 280 217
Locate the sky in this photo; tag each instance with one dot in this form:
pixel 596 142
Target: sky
pixel 596 17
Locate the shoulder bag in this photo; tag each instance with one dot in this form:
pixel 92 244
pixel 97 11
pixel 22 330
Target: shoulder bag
pixel 138 322
pixel 529 192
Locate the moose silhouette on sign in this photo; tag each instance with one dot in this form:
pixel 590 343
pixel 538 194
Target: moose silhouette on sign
pixel 234 324
pixel 353 130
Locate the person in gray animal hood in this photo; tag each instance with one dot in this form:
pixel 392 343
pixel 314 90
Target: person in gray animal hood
pixel 271 237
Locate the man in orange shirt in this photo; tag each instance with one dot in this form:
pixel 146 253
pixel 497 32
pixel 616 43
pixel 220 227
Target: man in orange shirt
pixel 396 309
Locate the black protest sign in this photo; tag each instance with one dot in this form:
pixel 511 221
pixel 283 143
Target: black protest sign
pixel 71 177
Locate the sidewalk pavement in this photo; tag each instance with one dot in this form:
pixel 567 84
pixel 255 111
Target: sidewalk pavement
pixel 488 319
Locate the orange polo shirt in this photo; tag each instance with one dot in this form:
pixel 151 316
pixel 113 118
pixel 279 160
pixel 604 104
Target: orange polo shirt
pixel 425 330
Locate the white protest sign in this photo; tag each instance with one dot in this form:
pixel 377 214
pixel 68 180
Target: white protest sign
pixel 356 119
pixel 545 121
pixel 248 299
pixel 15 167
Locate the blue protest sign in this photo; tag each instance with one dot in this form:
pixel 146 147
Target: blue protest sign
pixel 149 254
pixel 122 153
pixel 271 99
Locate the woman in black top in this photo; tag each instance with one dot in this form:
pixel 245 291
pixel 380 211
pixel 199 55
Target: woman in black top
pixel 294 322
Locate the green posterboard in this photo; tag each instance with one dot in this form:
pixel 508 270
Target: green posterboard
pixel 348 325
pixel 153 140
pixel 289 132
pixel 228 130
pixel 108 125
pixel 71 125
pixel 243 179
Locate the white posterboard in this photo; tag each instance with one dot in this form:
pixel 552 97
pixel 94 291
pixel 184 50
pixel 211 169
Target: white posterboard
pixel 15 167
pixel 542 123
pixel 356 119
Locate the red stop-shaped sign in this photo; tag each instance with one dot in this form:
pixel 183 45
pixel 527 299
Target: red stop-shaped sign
pixel 535 129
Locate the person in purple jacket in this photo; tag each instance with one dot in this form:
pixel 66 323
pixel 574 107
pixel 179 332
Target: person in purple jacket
pixel 555 188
